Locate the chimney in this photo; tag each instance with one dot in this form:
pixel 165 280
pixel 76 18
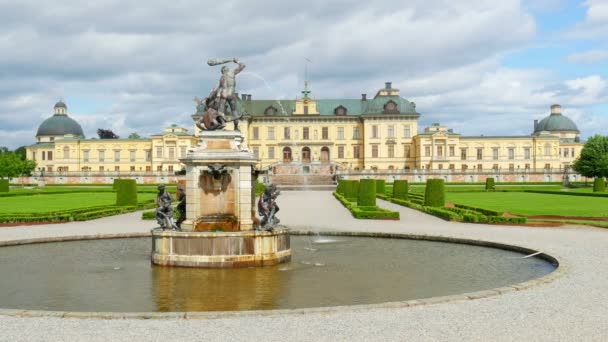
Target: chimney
pixel 243 97
pixel 535 125
pixel 363 97
pixel 387 85
pixel 248 97
pixel 556 109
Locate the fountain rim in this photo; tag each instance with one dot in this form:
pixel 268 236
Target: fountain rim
pixel 560 270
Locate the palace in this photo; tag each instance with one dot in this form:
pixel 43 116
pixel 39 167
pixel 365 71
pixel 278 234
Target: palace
pixel 318 136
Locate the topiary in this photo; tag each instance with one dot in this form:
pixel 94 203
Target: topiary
pixel 490 185
pixel 599 185
pixel 367 193
pixel 380 186
pixel 115 184
pixel 351 190
pixel 434 195
pixel 400 189
pixel 3 185
pixel 340 187
pixel 126 192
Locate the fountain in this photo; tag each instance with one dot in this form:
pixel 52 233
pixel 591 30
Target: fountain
pixel 220 229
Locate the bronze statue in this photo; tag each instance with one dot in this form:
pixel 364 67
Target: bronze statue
pixel 222 96
pixel 268 208
pixel 164 209
pixel 181 206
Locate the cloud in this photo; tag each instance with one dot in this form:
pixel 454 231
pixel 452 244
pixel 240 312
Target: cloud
pixel 591 56
pixel 595 24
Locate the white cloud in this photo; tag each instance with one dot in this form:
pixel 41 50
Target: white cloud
pixel 595 24
pixel 591 56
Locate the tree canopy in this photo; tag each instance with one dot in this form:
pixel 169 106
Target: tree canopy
pixel 12 166
pixel 593 160
pixel 134 136
pixel 106 134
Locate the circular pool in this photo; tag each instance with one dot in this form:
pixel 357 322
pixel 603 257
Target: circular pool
pixel 116 275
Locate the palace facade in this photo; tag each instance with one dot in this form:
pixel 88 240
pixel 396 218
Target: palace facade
pixel 310 136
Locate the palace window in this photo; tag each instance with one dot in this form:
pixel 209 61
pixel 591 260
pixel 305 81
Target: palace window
pixel 324 154
pixel 340 133
pixel 356 151
pixel 495 166
pixel 547 149
pixel 527 153
pixel 159 152
pixel 171 153
pixel 440 166
pixel 270 152
pixel 132 168
pixel 451 167
pixel 427 151
pixel 511 153
pixel 463 154
pixel 479 167
pixel 286 133
pixel 527 166
pixel 183 151
pixel 102 156
pixel 452 151
pixel 356 133
pixel 511 167
pixel 479 154
pixel 406 151
pixel 305 133
pixel 374 151
pixel 117 168
pixel 305 155
pixel 464 167
pixel 391 151
pixel 256 151
pixel 117 155
pixel 547 166
pixel 374 131
pixel 49 155
pixel 148 168
pixel 256 133
pixel 572 150
pixel 287 155
pixel 85 156
pixel 325 133
pixel 270 133
pixel 148 155
pixel 495 153
pixel 440 151
pixel 340 151
pixel 159 168
pixel 66 153
pixel 170 168
pixel 132 156
pixel 407 133
pixel 391 131
pixel 101 169
pixel 566 152
pixel 43 155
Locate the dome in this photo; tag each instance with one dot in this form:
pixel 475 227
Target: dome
pixel 556 122
pixel 59 125
pixel 60 104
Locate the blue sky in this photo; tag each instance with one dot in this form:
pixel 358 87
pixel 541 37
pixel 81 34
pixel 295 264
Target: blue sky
pixel 133 68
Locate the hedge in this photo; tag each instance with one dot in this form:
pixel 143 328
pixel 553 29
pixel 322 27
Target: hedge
pixel 366 212
pixel 259 188
pixel 126 192
pixel 490 184
pixel 351 190
pixel 340 187
pixel 367 192
pixel 380 186
pixel 567 193
pixel 3 185
pixel 488 212
pixel 599 185
pixel 434 195
pixel 400 189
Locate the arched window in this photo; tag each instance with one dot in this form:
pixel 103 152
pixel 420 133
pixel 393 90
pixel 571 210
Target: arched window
pixel 287 158
pixel 325 154
pixel 270 111
pixel 305 155
pixel 391 107
pixel 340 110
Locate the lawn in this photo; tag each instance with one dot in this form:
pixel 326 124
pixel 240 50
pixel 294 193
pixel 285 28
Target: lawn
pixel 55 202
pixel 529 204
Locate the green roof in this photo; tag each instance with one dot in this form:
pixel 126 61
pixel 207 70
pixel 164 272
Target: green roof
pixel 58 125
pixel 556 122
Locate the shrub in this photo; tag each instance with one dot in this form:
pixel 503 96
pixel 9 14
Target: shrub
pixel 400 189
pixel 126 192
pixel 490 185
pixel 487 212
pixel 115 184
pixel 351 190
pixel 599 185
pixel 380 186
pixel 434 195
pixel 259 188
pixel 340 187
pixel 3 185
pixel 367 192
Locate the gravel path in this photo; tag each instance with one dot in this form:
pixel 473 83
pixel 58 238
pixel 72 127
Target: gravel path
pixel 573 307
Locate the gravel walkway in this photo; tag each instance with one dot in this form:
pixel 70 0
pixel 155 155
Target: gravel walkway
pixel 573 307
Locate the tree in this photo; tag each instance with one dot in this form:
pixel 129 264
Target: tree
pixel 3 149
pixel 21 151
pixel 106 134
pixel 593 160
pixel 134 136
pixel 11 165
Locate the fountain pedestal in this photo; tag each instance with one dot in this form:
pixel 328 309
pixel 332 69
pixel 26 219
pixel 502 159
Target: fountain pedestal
pixel 220 211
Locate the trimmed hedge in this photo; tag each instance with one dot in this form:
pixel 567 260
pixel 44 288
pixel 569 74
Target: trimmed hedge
pixel 380 186
pixel 599 185
pixel 367 192
pixel 367 212
pixel 126 192
pixel 340 187
pixel 434 195
pixel 484 211
pixel 443 213
pixel 567 193
pixel 3 185
pixel 351 190
pixel 400 189
pixel 490 184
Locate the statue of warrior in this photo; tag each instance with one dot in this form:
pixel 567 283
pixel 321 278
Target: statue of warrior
pixel 225 90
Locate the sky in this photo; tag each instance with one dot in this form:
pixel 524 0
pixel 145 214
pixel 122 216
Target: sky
pixel 478 66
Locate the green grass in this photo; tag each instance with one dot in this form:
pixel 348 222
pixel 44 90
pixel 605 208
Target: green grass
pixel 529 204
pixel 56 202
